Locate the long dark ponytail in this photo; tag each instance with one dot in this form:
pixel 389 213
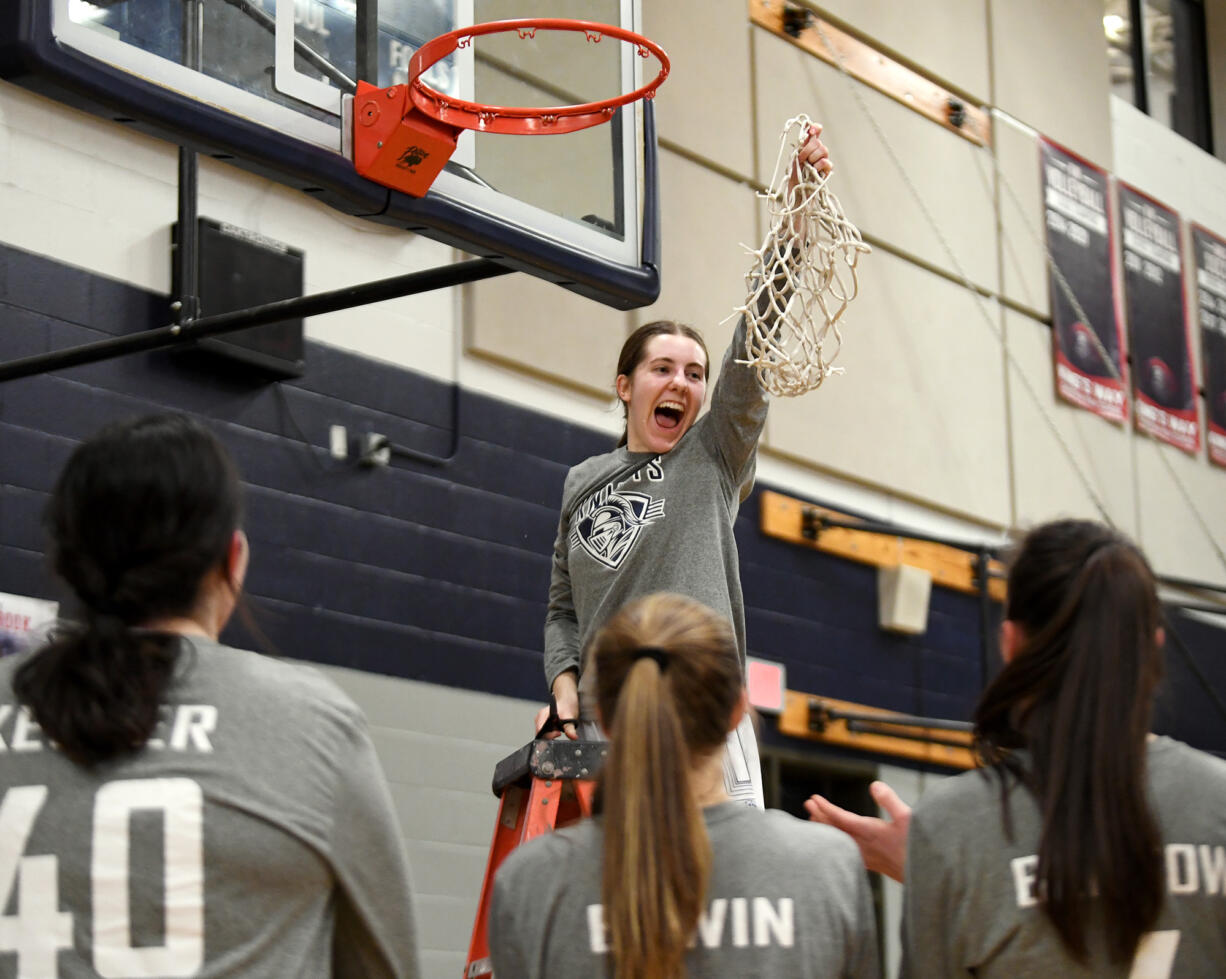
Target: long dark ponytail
pixel 1077 695
pixel 140 514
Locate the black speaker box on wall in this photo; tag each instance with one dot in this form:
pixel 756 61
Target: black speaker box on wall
pixel 238 269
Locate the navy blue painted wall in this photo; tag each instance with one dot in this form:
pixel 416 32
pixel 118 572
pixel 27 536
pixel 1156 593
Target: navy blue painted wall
pixel 434 573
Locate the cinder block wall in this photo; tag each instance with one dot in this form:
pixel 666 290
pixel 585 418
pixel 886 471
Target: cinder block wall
pixel 422 590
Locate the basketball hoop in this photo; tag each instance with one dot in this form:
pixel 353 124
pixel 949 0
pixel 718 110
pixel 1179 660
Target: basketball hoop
pixel 405 134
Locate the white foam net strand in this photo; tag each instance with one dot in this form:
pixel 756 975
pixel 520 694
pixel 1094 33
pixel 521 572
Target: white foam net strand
pixel 803 277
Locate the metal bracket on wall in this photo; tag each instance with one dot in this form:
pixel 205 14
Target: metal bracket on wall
pixel 826 530
pixel 347 297
pixel 808 30
pixel 847 725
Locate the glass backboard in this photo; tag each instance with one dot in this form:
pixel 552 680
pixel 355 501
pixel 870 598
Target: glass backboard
pixel 264 84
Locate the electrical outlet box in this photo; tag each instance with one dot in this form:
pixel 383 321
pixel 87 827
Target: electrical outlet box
pixel 338 442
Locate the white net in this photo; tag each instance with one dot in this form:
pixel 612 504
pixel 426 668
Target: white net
pixel 803 277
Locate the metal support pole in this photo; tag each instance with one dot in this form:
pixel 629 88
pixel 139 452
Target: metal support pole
pixel 1197 607
pixel 982 577
pixel 864 727
pixel 1136 38
pixel 814 522
pixel 1190 584
pixel 348 297
pixel 186 305
pixel 366 38
pixel 897 720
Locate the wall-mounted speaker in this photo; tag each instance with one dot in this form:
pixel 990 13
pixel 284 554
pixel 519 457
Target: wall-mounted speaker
pixel 238 269
pixel 902 599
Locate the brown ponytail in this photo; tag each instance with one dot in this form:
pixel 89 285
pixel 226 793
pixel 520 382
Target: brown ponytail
pixel 669 678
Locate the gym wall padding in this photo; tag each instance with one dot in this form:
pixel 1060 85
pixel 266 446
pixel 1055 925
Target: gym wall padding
pixel 953 177
pixel 436 574
pixel 902 416
pixel 1049 69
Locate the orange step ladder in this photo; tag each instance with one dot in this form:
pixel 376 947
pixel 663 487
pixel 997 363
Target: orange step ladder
pixel 543 786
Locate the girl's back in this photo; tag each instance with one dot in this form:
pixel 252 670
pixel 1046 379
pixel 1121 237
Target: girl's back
pixel 786 898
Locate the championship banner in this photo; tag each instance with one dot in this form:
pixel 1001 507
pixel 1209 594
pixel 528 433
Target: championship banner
pixel 1209 253
pixel 1157 321
pixel 25 622
pixel 1088 355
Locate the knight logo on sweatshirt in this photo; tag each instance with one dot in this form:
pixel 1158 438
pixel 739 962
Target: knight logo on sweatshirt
pixel 608 523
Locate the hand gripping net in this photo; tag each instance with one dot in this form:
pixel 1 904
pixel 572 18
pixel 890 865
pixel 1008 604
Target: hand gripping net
pixel 803 277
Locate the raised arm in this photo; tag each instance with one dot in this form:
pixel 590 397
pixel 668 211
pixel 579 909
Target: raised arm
pixel 562 658
pixel 738 402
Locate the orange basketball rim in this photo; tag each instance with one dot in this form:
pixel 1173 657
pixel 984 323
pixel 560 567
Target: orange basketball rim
pixel 404 135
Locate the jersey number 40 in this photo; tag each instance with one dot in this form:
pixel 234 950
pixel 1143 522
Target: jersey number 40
pixel 39 929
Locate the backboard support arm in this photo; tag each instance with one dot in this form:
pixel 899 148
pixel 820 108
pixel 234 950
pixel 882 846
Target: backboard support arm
pixel 348 297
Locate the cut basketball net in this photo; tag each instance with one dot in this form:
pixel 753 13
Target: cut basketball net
pixel 803 277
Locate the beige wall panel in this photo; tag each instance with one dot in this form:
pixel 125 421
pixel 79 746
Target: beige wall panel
pixel 543 329
pixel 1046 481
pixel 1049 62
pixel 1023 253
pixel 705 219
pixel 1163 164
pixel 953 176
pixel 948 38
pixel 920 410
pixel 1184 539
pixel 705 105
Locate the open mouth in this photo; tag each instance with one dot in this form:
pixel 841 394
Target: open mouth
pixel 668 414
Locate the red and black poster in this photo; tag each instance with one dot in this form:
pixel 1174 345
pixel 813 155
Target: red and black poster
pixel 1087 344
pixel 1157 322
pixel 1210 256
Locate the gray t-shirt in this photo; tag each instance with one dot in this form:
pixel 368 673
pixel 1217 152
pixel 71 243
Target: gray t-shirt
pixel 786 899
pixel 970 908
pixel 633 523
pixel 253 836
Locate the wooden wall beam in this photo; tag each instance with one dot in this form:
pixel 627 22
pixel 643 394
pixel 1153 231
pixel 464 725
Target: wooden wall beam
pixel 799 711
pixel 784 517
pixel 872 67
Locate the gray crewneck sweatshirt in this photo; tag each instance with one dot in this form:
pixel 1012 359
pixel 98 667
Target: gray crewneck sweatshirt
pixel 971 905
pixel 253 836
pixel 786 898
pixel 634 523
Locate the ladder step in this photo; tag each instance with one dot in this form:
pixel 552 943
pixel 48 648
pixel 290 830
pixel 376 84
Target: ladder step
pixel 543 786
